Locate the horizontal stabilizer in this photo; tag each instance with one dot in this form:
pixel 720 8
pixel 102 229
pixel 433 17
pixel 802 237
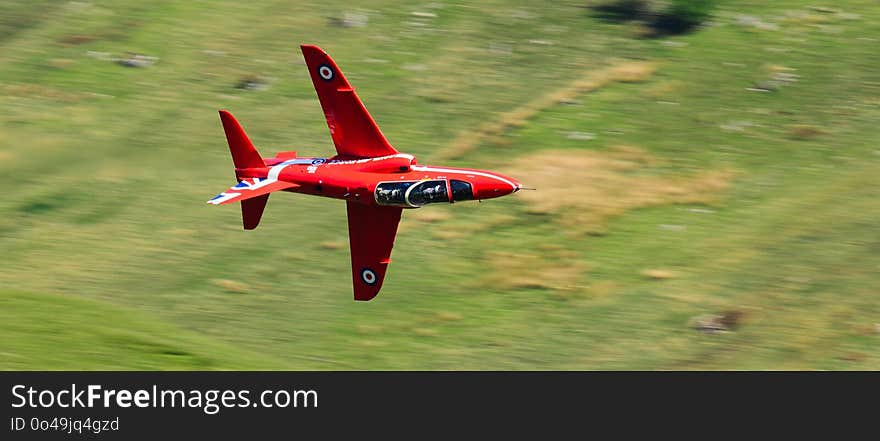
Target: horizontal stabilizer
pixel 250 188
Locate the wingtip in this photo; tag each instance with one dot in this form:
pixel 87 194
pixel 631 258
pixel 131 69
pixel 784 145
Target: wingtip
pixel 365 297
pixel 304 47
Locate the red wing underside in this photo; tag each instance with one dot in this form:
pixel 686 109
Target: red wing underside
pixel 371 232
pixel 353 130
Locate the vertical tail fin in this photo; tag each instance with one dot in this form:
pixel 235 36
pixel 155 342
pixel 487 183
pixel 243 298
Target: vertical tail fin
pixel 252 211
pixel 244 155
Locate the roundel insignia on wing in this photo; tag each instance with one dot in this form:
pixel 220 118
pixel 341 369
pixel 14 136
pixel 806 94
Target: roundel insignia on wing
pixel 325 72
pixel 368 276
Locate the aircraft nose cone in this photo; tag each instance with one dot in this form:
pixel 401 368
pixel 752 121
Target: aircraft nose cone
pixel 494 186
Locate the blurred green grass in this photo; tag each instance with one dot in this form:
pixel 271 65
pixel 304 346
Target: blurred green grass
pixel 56 332
pixel 107 170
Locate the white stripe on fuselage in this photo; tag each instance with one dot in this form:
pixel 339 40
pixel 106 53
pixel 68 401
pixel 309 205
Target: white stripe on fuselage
pixel 278 168
pixel 399 155
pixel 463 172
pixel 361 161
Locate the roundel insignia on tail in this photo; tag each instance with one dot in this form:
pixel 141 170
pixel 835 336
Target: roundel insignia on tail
pixel 368 276
pixel 325 72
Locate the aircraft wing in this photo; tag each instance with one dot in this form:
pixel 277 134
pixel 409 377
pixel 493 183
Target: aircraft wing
pixel 353 130
pixel 371 232
pixel 250 188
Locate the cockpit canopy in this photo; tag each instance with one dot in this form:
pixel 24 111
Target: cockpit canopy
pixel 461 190
pixel 418 193
pixel 427 192
pixel 393 193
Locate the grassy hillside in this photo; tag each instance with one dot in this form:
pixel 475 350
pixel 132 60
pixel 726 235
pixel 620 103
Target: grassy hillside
pixel 724 177
pixel 62 332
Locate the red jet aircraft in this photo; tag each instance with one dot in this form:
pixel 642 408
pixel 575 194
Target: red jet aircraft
pixel 376 181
